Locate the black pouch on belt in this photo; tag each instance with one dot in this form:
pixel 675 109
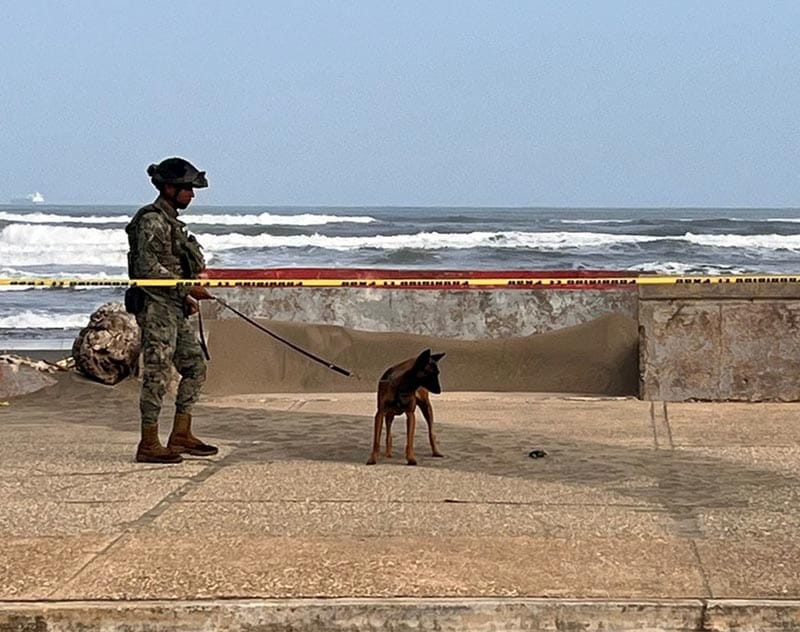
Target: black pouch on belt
pixel 134 300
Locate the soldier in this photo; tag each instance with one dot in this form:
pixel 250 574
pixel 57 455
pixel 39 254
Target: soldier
pixel 162 248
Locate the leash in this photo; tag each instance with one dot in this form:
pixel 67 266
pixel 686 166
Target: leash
pixel 293 346
pixel 203 344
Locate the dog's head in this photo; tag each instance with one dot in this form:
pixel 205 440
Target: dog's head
pixel 426 370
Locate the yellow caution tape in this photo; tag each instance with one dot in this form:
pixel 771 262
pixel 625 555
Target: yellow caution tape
pixel 411 282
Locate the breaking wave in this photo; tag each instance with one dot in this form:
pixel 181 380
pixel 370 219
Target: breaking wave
pixel 42 244
pixel 29 319
pixel 259 219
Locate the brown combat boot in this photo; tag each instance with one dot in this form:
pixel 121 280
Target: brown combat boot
pixel 150 449
pixel 182 440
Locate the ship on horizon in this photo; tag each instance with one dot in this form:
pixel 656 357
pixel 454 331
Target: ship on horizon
pixel 31 198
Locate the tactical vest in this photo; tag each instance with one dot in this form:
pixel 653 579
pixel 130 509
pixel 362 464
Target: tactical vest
pixel 186 262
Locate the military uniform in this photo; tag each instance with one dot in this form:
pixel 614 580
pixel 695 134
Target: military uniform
pixel 160 247
pixel 158 241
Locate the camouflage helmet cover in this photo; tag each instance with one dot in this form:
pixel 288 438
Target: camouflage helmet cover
pixel 177 171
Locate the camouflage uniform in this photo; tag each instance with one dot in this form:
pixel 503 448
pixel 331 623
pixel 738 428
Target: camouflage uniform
pixel 159 243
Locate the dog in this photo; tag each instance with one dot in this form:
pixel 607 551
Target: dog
pixel 401 389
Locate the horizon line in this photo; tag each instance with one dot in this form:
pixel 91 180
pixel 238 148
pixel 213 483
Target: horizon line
pixel 425 206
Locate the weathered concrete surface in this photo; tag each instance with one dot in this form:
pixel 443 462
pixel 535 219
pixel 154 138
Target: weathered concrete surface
pixel 315 615
pixel 642 516
pixel 469 314
pixel 441 615
pixel 720 342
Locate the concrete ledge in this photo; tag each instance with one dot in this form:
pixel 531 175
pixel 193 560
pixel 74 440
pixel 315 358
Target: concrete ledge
pixel 353 615
pixel 721 291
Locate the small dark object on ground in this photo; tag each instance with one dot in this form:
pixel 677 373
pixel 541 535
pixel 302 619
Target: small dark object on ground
pixel 537 454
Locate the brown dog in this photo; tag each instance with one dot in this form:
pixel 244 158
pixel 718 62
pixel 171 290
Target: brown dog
pixel 401 389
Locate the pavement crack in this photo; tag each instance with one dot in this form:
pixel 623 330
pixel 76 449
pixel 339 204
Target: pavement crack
pixel 138 470
pixel 150 515
pixel 84 566
pixel 703 575
pixel 449 501
pixel 177 495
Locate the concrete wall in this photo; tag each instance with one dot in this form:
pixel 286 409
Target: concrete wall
pixel 720 342
pixel 466 314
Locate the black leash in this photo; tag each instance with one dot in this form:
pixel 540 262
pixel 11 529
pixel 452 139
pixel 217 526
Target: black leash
pixel 203 344
pixel 330 365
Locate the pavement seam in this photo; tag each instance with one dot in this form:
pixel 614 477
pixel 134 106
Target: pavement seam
pixel 149 516
pixel 88 562
pixel 449 501
pixel 703 573
pixel 687 523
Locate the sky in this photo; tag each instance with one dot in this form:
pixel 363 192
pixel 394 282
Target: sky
pixel 411 102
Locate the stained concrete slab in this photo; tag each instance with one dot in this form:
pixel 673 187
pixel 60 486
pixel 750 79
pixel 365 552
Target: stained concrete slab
pixel 776 460
pixel 35 567
pixel 733 423
pixel 288 509
pixel 756 567
pixel 299 481
pixel 744 524
pixel 43 518
pixel 168 566
pixel 409 518
pixel 66 483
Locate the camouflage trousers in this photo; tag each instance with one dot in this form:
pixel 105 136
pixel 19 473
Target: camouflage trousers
pixel 168 340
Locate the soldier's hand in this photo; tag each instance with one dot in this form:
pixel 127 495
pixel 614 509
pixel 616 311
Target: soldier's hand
pixel 200 293
pixel 190 306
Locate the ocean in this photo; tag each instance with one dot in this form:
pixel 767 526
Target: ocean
pixel 90 242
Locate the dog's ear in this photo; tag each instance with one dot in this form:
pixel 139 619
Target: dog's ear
pixel 422 359
pixel 438 356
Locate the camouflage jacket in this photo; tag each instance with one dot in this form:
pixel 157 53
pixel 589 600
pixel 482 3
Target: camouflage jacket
pixel 160 247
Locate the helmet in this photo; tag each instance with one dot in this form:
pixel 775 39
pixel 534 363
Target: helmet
pixel 177 171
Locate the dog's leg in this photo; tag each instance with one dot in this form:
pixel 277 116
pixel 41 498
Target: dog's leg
pixel 411 424
pixel 427 412
pixel 389 419
pixel 376 438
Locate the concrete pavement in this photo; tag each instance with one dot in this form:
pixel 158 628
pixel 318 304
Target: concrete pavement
pixel 642 516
